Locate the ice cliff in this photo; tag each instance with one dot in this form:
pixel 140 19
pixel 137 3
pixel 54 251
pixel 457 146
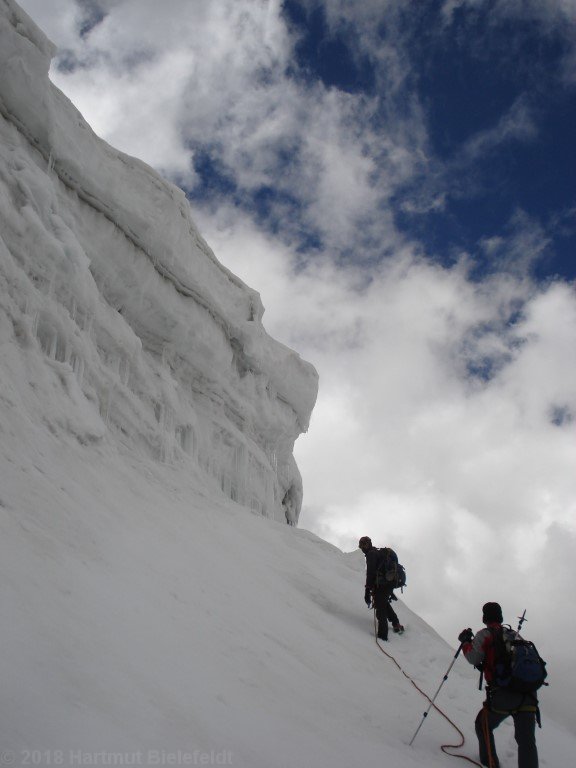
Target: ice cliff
pixel 150 341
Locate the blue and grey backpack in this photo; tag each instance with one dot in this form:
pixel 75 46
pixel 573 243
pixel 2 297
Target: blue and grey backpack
pixel 518 665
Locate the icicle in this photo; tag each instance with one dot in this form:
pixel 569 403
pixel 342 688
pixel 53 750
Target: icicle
pixel 53 346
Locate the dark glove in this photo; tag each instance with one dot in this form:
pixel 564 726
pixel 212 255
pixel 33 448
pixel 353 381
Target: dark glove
pixel 368 597
pixel 466 636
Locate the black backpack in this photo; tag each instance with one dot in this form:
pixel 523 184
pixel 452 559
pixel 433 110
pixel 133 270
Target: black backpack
pixel 389 572
pixel 518 665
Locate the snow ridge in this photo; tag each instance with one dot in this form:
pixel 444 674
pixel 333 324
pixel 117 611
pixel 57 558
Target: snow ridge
pixel 115 284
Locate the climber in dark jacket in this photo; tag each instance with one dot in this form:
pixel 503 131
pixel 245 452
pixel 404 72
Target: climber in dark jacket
pixel 480 651
pixel 379 595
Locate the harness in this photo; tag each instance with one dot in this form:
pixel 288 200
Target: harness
pixel 523 707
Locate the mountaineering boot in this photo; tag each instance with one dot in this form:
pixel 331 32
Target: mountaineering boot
pixel 398 628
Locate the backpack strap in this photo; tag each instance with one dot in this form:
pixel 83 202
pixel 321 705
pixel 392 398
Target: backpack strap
pixel 382 566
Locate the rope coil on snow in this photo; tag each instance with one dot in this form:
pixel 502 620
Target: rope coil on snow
pixel 443 747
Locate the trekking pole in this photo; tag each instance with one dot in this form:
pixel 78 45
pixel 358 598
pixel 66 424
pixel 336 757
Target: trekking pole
pixel 433 699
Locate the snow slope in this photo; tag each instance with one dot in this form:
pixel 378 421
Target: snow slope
pixel 148 618
pixel 142 614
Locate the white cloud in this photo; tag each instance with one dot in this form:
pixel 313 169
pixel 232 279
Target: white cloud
pixel 147 126
pixel 524 243
pixel 516 124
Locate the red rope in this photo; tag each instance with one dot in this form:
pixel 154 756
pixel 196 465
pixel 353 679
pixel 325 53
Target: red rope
pixel 443 747
pixel 486 732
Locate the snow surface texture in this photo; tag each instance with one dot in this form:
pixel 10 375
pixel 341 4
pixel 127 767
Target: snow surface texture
pixel 152 338
pixel 147 618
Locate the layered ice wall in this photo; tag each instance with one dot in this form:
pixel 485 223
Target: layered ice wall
pixel 146 338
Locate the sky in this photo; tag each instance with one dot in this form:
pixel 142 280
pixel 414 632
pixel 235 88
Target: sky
pixel 396 179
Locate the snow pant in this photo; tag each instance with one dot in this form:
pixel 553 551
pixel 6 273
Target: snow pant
pixel 500 705
pixel 384 611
